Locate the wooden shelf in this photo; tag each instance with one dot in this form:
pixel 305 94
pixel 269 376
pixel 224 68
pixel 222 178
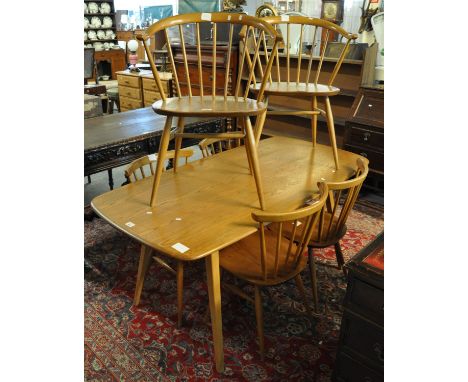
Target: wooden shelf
pixel 96 29
pixel 93 41
pixel 99 14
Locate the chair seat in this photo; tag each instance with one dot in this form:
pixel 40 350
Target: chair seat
pixel 208 106
pixel 314 242
pixel 243 260
pixel 285 88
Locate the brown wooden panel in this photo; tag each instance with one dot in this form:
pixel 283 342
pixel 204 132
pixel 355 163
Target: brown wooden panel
pixel 376 159
pixel 132 81
pixel 129 103
pixel 359 136
pixel 127 91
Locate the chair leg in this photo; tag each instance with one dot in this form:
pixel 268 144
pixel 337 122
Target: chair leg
pixel 145 261
pixel 313 276
pixel 300 286
pixel 252 151
pixel 178 143
pixel 180 292
pixel 340 257
pixel 331 131
pixel 160 161
pixel 259 317
pixel 259 123
pixel 314 122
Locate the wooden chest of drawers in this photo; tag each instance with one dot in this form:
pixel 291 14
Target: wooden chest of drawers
pixel 364 133
pixel 137 90
pixel 360 354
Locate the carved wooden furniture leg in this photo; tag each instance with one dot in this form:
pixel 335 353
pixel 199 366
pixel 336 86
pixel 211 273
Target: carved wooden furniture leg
pixel 160 162
pixel 259 317
pixel 252 151
pixel 214 294
pixel 314 121
pixel 300 286
pixel 143 265
pixel 331 131
pixel 178 142
pixel 340 257
pixel 313 276
pixel 180 292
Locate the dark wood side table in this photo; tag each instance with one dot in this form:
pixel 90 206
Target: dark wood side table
pixel 364 133
pixel 360 356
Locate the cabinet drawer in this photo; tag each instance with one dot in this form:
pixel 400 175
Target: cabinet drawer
pixel 370 108
pixel 363 137
pixel 376 159
pixel 365 299
pixel 207 76
pixel 348 369
pixel 150 84
pixel 129 103
pixel 131 81
pixel 363 338
pixel 126 91
pixel 150 97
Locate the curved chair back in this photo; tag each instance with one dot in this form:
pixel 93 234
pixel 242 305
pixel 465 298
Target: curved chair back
pixel 288 250
pixel 211 146
pixel 310 30
pixel 340 202
pixel 136 170
pixel 180 26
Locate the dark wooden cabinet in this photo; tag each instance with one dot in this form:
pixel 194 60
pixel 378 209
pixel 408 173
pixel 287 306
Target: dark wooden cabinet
pixel 360 356
pixel 364 133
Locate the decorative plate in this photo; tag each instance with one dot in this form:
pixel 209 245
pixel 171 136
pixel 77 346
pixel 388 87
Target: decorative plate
pixel 92 35
pixel 106 46
pixel 86 22
pixel 97 46
pixel 101 35
pixel 89 45
pixel 85 36
pixel 85 8
pixel 107 22
pixel 110 35
pixel 96 22
pixel 93 8
pixel 105 8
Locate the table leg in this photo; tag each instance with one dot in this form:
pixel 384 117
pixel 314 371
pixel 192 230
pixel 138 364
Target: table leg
pixel 214 294
pixel 331 131
pixel 143 265
pixel 111 179
pixel 178 142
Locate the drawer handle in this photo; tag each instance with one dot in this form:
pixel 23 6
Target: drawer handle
pixel 370 106
pixel 366 136
pixel 379 351
pixel 363 154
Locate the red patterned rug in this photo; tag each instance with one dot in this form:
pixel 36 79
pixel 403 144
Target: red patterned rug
pixel 124 343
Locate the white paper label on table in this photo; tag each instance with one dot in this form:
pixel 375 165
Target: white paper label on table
pixel 178 219
pixel 152 157
pixel 129 224
pixel 206 16
pixel 180 247
pixel 149 212
pixel 284 18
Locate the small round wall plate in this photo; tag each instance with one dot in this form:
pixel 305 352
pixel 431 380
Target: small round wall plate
pixel 105 8
pixel 107 22
pixel 85 36
pixel 101 35
pixel 98 46
pixel 86 22
pixel 93 8
pixel 85 8
pixel 96 22
pixel 92 35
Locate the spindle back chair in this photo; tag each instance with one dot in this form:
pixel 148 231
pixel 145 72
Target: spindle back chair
pixel 311 82
pixel 211 146
pixel 277 259
pixel 214 104
pixel 136 169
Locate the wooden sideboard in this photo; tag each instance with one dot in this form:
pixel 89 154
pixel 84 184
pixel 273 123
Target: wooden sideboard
pixel 114 57
pixel 360 356
pixel 138 89
pixel 364 133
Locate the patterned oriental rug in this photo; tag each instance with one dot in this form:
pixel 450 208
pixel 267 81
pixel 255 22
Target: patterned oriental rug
pixel 124 343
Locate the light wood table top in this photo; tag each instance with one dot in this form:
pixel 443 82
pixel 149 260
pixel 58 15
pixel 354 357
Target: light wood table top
pixel 207 205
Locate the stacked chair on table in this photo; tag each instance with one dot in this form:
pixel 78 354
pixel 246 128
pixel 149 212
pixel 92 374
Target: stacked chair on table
pixel 203 100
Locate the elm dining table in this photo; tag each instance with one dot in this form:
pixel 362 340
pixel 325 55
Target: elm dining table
pixel 207 205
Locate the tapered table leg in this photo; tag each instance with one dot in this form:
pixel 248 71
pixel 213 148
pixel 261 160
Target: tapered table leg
pixel 331 131
pixel 143 265
pixel 160 161
pixel 214 294
pixel 252 151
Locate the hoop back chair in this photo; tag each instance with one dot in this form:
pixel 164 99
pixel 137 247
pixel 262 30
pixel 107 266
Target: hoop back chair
pixel 310 82
pixel 210 105
pixel 211 146
pixel 133 172
pixel 332 221
pixel 277 259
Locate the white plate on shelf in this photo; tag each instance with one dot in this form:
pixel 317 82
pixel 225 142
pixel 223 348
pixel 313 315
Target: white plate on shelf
pixel 101 35
pixel 92 35
pixel 98 46
pixel 85 36
pixel 105 8
pixel 107 22
pixel 86 22
pixel 96 22
pixel 85 8
pixel 93 8
pixel 110 35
